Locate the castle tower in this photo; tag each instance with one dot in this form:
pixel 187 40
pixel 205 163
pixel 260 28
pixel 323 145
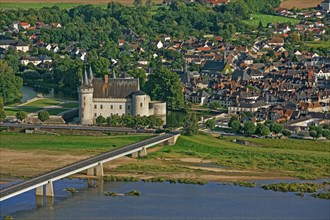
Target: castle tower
pixel 86 114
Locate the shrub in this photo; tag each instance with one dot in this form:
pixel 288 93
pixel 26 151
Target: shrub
pixel 43 115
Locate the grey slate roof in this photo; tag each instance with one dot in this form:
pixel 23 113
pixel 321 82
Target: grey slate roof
pixel 115 88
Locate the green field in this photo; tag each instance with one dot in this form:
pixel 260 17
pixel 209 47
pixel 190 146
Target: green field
pixel 55 111
pixel 43 103
pixel 317 44
pixel 265 19
pixel 6 5
pixel 76 145
pixel 12 111
pixel 70 105
pixel 297 158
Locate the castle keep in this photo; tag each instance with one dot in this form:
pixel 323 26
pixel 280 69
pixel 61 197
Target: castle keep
pixel 110 96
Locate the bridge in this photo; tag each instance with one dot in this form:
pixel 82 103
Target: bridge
pixel 93 165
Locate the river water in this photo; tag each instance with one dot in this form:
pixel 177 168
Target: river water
pixel 166 201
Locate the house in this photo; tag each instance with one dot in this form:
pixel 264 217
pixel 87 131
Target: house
pixel 199 97
pixel 276 41
pixel 160 45
pixel 34 60
pixel 56 25
pixel 24 25
pixel 216 67
pixel 17 45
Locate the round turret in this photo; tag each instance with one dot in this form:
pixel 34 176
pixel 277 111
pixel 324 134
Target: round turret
pixel 140 103
pixel 86 115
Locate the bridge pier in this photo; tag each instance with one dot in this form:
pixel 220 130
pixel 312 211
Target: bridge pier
pixel 40 191
pixel 140 153
pixel 172 140
pixel 49 189
pixel 99 170
pixel 90 171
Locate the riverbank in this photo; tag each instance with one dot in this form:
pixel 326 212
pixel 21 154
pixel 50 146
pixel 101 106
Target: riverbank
pixel 200 157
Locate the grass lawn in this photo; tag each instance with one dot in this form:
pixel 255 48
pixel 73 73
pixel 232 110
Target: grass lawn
pixel 70 105
pixel 297 158
pixel 62 144
pixel 316 44
pixel 55 111
pixel 43 103
pixel 265 19
pixel 12 111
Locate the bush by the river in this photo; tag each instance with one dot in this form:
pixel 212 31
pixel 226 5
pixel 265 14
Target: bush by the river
pixel 133 193
pixel 293 187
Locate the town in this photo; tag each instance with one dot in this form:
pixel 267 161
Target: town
pixel 185 104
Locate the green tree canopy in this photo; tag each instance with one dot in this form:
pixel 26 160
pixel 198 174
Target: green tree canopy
pixel 165 85
pixel 190 125
pixel 235 125
pixel 100 120
pixel 276 128
pixel 249 128
pixel 43 115
pixel 10 85
pixel 21 115
pixel 210 124
pixel 262 130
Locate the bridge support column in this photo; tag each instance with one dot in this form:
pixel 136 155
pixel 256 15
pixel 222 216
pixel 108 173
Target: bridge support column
pixel 99 170
pixel 143 152
pixel 40 191
pixel 172 141
pixel 49 189
pixel 135 154
pixel 90 171
pixel 90 182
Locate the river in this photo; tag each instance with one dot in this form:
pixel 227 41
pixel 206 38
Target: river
pixel 166 201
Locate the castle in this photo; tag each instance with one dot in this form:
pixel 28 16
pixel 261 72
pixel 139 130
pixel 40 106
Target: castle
pixel 110 96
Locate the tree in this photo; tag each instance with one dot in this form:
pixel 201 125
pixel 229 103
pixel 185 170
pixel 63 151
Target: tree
pixel 233 118
pixel 262 130
pixel 318 130
pixel 165 85
pixel 137 3
pixel 249 128
pixel 276 128
pixel 43 115
pixel 235 125
pixel 286 132
pixel 10 85
pixel 215 105
pixel 313 134
pixel 2 110
pixel 326 133
pixel 149 2
pixel 100 120
pixel 210 124
pixel 190 125
pixel 21 115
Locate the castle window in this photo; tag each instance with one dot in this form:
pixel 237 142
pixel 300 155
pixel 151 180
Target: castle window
pixel 95 106
pixel 95 114
pixel 84 103
pixel 101 106
pixel 141 104
pixel 111 106
pixel 84 97
pixel 128 107
pixel 119 106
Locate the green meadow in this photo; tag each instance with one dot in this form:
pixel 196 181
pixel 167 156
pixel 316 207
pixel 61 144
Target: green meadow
pixel 265 19
pixel 297 158
pixel 65 144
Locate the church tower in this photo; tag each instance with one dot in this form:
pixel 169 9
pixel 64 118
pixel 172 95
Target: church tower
pixel 86 114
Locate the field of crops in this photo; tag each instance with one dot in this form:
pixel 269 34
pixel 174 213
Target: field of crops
pixel 300 3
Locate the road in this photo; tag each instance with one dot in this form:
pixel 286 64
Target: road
pixel 77 127
pixel 83 163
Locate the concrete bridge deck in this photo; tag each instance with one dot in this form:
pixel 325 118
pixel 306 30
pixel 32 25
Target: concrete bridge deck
pixel 87 164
